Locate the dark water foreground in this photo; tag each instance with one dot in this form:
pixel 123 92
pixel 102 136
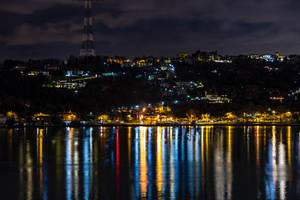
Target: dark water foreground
pixel 205 162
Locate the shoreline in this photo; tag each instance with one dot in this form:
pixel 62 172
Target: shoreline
pixel 149 125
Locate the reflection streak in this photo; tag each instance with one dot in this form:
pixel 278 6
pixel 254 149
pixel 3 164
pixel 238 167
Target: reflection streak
pixel 69 166
pixel 29 171
pixel 87 149
pixel 143 162
pixel 159 175
pixel 167 162
pixel 219 168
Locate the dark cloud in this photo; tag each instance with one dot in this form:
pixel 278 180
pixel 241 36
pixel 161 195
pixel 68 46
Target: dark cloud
pixel 36 28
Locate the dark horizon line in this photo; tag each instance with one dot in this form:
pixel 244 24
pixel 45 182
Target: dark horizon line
pixel 143 56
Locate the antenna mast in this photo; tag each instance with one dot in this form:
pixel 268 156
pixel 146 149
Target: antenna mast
pixel 87 46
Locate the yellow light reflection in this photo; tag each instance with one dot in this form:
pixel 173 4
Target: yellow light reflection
pixel 229 139
pixel 10 142
pixel 29 184
pixel 71 132
pixel 40 138
pixel 202 145
pixel 21 163
pixel 207 143
pixel 274 164
pixel 289 145
pixel 143 161
pixel 171 163
pixel 159 179
pixel 202 157
pixel 129 145
pixel 40 133
pixel 265 137
pixel 229 163
pixel 257 137
pixel 171 134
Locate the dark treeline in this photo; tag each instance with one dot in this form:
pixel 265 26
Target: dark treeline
pixel 248 83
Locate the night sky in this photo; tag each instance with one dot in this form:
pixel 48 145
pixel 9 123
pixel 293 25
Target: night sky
pixel 52 28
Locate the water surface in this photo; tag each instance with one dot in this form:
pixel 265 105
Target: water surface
pixel 204 162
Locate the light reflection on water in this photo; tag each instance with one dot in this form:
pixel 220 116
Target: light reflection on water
pixel 257 162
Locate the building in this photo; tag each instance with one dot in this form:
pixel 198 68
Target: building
pixel 3 119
